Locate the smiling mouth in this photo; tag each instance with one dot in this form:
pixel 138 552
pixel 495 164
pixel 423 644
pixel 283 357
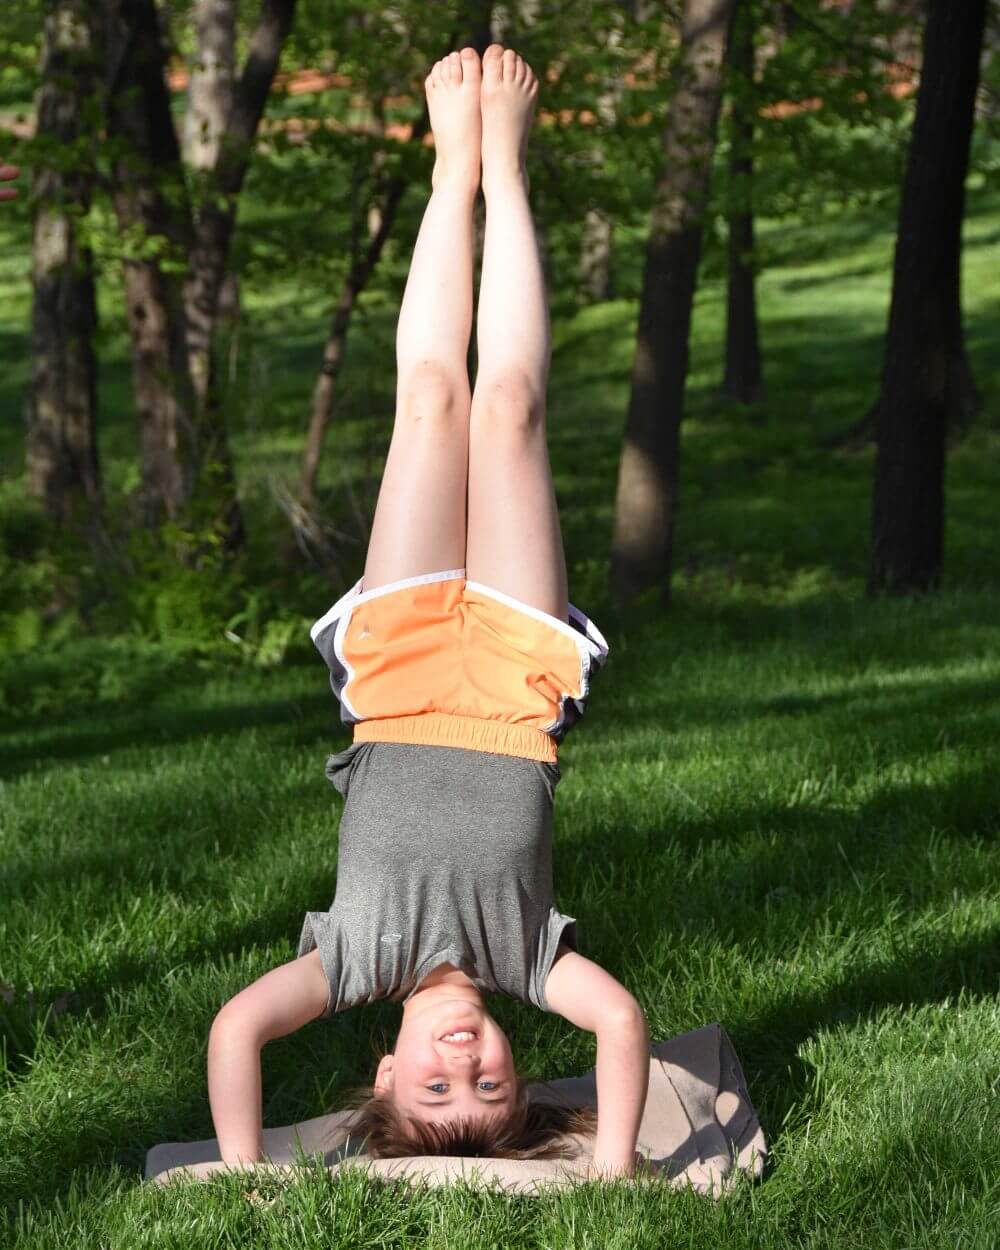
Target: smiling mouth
pixel 458 1036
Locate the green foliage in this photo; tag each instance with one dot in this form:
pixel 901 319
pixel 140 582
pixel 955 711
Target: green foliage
pixel 74 669
pixel 780 811
pixel 75 632
pixel 323 163
pixel 92 672
pixel 28 575
pixel 829 130
pixel 20 36
pixel 265 640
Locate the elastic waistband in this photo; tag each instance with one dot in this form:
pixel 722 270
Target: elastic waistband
pixel 440 729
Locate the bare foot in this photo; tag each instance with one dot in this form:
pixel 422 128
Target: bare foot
pixel 510 90
pixel 452 89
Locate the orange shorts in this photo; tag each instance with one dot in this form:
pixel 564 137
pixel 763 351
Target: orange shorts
pixel 442 661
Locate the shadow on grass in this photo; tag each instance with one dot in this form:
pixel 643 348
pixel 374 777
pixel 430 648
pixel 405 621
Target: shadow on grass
pixel 768 1041
pixel 768 1044
pixel 810 281
pixel 304 718
pixel 885 712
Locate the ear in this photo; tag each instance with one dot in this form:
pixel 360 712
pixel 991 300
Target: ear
pixel 384 1076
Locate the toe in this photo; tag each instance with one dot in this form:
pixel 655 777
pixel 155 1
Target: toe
pixel 520 72
pixel 470 65
pixel 493 62
pixel 454 67
pixel 509 64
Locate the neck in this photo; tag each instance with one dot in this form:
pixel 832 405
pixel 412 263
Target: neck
pixel 445 981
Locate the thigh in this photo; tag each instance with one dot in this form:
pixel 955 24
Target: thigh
pixel 420 518
pixel 514 540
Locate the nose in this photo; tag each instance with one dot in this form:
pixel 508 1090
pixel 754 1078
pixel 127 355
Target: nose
pixel 464 1059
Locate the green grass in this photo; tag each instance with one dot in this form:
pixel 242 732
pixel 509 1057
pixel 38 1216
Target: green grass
pixel 782 813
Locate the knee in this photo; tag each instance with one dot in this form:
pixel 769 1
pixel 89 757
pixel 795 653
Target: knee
pixel 512 405
pixel 430 395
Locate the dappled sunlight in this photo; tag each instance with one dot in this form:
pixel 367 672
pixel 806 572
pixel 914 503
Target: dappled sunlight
pixel 781 809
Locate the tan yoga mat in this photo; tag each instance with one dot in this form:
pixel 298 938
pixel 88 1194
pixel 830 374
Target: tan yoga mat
pixel 699 1129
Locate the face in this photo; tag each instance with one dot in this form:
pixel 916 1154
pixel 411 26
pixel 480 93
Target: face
pixel 451 1061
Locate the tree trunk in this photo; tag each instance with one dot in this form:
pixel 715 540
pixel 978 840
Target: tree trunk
pixel 216 500
pixel 647 476
pixel 210 86
pixel 217 214
pixel 147 190
pixel 595 255
pixel 926 381
pixel 597 244
pixel 473 27
pixel 324 390
pixel 209 107
pixel 62 462
pixel 742 380
pixel 476 25
pixel 210 102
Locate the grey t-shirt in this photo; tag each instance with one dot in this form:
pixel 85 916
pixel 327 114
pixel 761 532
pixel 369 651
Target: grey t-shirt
pixel 445 857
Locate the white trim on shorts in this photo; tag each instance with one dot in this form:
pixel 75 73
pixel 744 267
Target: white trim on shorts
pixel 356 595
pixel 592 648
pixel 343 610
pixel 592 641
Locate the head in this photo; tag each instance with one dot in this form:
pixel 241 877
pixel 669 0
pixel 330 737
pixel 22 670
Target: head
pixel 530 1130
pixel 449 1087
pixel 451 1061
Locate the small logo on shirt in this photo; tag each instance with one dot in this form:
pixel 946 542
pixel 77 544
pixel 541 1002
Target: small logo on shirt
pixel 391 938
pixel 364 633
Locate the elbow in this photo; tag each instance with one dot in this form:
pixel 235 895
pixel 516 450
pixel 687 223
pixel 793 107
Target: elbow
pixel 225 1026
pixel 231 1030
pixel 627 1019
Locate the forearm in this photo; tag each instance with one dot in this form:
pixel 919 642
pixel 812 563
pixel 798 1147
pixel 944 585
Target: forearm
pixel 622 1079
pixel 279 1002
pixel 234 1093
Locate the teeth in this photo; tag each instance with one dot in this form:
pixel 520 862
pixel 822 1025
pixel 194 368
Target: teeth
pixel 459 1037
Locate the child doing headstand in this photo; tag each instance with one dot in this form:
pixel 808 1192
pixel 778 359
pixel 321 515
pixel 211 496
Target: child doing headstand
pixel 460 665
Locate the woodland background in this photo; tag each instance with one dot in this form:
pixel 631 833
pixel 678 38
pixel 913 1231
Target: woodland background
pixel 772 237
pixel 211 182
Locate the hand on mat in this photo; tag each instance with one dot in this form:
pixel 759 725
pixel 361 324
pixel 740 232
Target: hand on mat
pixel 7 174
pixel 599 1169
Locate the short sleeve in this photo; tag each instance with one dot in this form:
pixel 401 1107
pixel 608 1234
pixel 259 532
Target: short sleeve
pixel 559 930
pixel 339 767
pixel 550 775
pixel 318 933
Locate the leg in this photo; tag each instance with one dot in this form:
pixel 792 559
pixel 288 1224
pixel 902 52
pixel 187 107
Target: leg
pixel 419 524
pixel 514 540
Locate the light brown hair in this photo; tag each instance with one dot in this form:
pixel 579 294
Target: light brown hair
pixel 532 1130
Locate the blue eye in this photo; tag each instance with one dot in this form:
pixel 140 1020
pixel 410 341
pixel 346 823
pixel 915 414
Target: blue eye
pixel 439 1088
pixel 488 1086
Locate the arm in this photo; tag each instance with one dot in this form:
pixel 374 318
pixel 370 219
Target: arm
pixel 278 1003
pixel 592 999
